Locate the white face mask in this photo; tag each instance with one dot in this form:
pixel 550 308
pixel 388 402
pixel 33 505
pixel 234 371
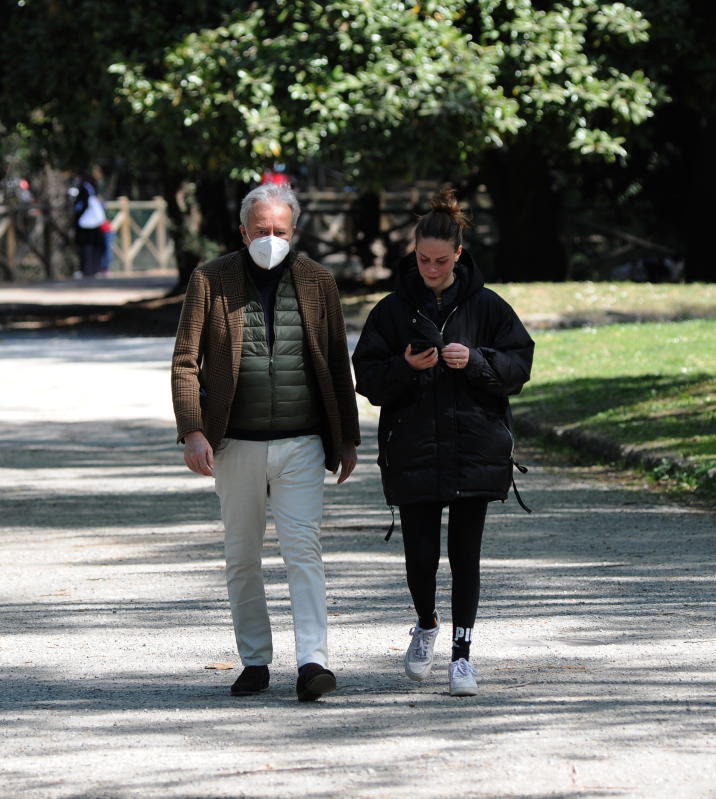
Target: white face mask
pixel 268 251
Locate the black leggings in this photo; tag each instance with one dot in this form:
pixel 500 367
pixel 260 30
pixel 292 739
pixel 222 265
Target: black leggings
pixel 421 539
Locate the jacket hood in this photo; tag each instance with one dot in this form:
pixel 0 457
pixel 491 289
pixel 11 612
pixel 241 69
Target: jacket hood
pixel 408 283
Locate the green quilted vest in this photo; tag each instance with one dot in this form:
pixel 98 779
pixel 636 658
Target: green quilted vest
pixel 276 390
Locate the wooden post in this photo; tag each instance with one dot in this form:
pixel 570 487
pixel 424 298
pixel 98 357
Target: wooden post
pixel 125 234
pixel 10 243
pixel 4 224
pixel 47 243
pixel 162 252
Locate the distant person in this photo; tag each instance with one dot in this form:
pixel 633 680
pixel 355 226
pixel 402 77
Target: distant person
pixel 105 262
pixel 89 237
pixel 264 402
pixel 277 176
pixel 441 355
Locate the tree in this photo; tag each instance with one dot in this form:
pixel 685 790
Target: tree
pixel 671 177
pixel 58 95
pixel 389 90
pixel 562 62
pixel 381 89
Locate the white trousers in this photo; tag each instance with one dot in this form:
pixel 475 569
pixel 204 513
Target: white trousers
pixel 289 474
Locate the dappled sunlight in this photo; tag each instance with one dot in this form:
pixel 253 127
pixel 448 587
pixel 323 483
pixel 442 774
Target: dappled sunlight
pixel 82 348
pixel 594 625
pixel 645 394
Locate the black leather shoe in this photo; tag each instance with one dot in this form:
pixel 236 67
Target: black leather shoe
pixel 252 680
pixel 314 681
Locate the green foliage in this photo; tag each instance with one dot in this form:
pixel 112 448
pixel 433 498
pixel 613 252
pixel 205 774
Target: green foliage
pixel 559 65
pixel 380 90
pixel 384 88
pixel 54 76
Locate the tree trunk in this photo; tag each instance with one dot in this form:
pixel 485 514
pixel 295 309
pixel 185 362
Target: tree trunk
pixel 700 264
pixel 219 213
pixel 528 214
pixel 187 259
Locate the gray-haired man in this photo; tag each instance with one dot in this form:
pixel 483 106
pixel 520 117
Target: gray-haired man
pixel 264 401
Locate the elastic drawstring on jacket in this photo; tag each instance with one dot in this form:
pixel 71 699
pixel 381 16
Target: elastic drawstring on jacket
pixel 392 524
pixel 523 470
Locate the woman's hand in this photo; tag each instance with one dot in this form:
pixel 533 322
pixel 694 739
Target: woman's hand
pixel 455 355
pixel 423 360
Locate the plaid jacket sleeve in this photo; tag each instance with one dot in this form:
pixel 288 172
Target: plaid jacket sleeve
pixel 186 360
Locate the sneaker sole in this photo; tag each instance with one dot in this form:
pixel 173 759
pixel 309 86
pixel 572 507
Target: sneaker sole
pixel 417 677
pixel 463 692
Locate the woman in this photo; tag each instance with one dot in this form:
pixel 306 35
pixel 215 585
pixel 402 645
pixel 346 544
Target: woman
pixel 89 236
pixel 440 355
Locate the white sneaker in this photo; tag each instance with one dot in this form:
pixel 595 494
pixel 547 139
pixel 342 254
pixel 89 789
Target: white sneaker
pixel 419 657
pixel 462 678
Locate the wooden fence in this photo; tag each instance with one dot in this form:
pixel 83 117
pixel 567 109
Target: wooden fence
pixel 359 232
pixel 133 236
pixel 26 235
pixel 341 229
pixel 8 239
pixel 31 236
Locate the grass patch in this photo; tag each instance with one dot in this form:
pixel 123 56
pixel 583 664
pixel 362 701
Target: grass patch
pixel 648 386
pixel 546 305
pixel 611 301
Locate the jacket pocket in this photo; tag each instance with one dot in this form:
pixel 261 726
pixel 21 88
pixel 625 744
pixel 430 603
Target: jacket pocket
pixel 484 436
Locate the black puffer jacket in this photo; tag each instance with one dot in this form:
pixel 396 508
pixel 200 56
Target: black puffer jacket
pixel 443 433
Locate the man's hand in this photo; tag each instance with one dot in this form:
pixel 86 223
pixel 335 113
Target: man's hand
pixel 198 454
pixel 349 459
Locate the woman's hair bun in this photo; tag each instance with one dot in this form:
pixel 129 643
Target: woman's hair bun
pixel 445 220
pixel 445 201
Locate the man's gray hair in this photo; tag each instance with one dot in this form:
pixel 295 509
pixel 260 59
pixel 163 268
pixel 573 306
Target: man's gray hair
pixel 269 193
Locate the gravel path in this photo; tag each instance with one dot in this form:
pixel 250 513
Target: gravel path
pixel 595 636
pixel 116 289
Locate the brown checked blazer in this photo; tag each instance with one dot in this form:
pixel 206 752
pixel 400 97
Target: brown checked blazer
pixel 207 352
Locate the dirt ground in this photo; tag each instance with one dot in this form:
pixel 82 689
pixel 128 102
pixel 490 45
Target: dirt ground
pixel 594 646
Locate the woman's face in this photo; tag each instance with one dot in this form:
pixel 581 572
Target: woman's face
pixel 436 261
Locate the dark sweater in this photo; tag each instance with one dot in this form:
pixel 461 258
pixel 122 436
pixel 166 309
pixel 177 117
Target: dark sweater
pixel 266 282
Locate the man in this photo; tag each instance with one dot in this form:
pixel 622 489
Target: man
pixel 264 402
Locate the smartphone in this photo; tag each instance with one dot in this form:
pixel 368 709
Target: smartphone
pixel 417 347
